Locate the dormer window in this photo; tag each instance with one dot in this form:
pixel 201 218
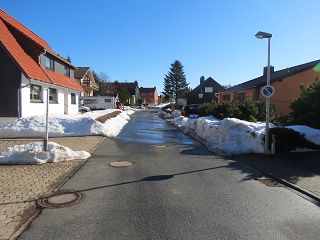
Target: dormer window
pixel 49 63
pixel 66 71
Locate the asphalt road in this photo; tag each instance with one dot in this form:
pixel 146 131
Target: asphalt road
pixel 175 190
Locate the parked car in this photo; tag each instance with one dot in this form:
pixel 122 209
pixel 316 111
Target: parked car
pixel 190 110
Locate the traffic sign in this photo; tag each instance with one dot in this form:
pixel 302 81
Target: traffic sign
pixel 267 91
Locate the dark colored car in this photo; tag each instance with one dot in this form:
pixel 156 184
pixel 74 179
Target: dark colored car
pixel 190 109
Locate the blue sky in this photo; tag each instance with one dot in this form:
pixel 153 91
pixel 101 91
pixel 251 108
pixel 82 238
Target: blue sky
pixel 139 39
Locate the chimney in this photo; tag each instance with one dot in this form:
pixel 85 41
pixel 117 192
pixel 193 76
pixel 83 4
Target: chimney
pixel 69 59
pixel 201 80
pixel 265 69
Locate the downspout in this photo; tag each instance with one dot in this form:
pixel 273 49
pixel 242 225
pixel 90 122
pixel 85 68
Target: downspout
pixel 19 96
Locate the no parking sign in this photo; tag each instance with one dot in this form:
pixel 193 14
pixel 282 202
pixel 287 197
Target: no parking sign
pixel 267 91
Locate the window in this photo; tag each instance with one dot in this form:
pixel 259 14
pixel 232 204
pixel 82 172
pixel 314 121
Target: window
pixel 226 97
pixel 53 95
pixel 73 98
pixel 241 96
pixel 49 63
pixel 107 100
pixel 256 94
pixel 35 93
pixel 66 71
pixel 208 89
pixel 90 101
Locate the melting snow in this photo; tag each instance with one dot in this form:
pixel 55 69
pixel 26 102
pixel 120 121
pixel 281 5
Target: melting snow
pixel 33 153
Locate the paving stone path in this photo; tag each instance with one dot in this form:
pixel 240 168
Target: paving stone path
pixel 22 185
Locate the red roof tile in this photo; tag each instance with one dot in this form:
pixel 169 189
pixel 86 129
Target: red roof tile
pixel 63 81
pixel 23 29
pixel 29 34
pixel 30 68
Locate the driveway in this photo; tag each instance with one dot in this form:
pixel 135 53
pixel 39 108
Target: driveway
pixel 176 189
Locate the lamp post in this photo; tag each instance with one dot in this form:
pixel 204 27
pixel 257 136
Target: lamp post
pixel 262 35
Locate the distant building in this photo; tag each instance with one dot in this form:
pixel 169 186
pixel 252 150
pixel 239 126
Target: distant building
pixel 286 83
pixel 113 89
pixel 149 95
pixel 204 92
pixel 85 77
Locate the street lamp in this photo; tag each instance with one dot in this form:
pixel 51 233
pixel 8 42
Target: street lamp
pixel 262 35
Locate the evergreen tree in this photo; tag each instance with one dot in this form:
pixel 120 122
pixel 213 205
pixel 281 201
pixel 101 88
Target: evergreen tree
pixel 123 94
pixel 306 108
pixel 175 83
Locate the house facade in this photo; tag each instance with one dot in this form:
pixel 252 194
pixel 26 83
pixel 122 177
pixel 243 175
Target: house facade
pixel 115 88
pixel 286 83
pixel 85 78
pixel 29 69
pixel 149 96
pixel 204 92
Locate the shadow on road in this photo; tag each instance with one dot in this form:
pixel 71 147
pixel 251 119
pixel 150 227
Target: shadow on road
pixel 251 174
pixel 289 166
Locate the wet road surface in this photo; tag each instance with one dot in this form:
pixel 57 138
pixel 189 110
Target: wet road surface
pixel 178 191
pixel 147 127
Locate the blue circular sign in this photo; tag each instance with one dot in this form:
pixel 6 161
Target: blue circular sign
pixel 267 91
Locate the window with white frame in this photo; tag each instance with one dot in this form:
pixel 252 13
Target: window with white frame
pixel 53 95
pixel 73 98
pixel 35 93
pixel 66 71
pixel 208 89
pixel 49 63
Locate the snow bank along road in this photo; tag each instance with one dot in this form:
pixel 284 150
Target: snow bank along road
pixel 67 125
pixel 91 123
pixel 234 136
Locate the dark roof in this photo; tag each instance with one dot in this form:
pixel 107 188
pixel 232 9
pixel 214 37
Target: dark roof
pixel 131 86
pixel 274 76
pixel 80 72
pixel 147 89
pixel 209 81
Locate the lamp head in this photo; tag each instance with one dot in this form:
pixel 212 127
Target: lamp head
pixel 262 35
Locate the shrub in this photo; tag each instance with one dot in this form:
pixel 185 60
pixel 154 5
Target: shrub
pixel 306 108
pixel 247 110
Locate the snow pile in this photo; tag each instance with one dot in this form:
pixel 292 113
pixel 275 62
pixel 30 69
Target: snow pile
pixel 176 113
pixel 311 134
pixel 33 153
pixel 229 136
pixel 163 105
pixel 67 125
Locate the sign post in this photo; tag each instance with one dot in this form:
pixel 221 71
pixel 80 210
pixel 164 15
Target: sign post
pixel 267 91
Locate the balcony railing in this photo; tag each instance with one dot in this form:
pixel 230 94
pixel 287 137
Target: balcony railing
pixel 90 84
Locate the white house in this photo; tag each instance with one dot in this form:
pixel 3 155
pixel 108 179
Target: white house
pixel 28 68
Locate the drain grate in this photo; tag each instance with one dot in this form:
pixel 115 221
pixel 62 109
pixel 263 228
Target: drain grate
pixel 269 182
pixel 121 164
pixel 61 199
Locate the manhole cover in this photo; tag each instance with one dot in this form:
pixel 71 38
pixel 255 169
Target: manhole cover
pixel 61 199
pixel 161 146
pixel 269 182
pixel 121 164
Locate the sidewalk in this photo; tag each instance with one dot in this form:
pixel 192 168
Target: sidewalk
pixel 22 185
pixel 301 169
